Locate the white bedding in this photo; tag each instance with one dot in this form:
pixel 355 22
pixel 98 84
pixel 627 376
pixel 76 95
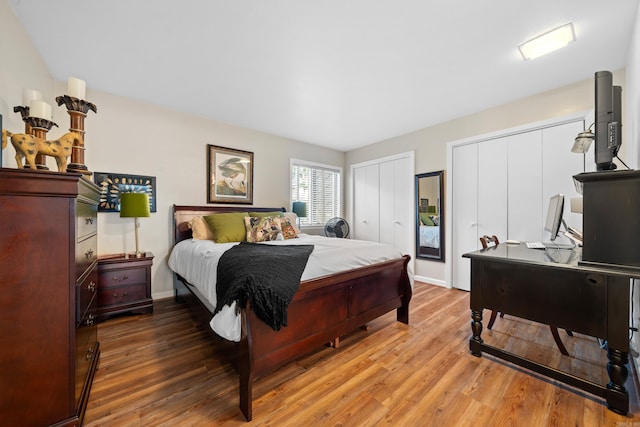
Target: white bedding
pixel 430 236
pixel 197 261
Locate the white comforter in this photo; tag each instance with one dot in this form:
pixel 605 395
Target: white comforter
pixel 197 261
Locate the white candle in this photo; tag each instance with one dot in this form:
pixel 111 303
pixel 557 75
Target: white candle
pixel 76 88
pixel 40 109
pixel 29 95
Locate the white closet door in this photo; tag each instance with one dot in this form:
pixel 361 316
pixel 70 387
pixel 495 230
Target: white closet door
pixel 387 201
pixel 366 203
pixel 464 209
pixel 492 188
pixel 404 206
pixel 525 186
pixel 559 166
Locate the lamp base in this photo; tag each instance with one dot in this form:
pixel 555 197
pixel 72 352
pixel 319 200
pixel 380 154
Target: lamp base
pixel 136 255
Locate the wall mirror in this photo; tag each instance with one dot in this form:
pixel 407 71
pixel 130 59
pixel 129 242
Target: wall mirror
pixel 430 216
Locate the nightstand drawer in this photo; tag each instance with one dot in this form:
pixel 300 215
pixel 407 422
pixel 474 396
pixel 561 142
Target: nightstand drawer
pixel 124 276
pixel 122 295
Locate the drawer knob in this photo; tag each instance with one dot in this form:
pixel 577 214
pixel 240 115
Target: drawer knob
pixel 89 253
pixel 117 279
pixel 115 295
pixel 90 320
pixel 91 286
pixel 125 294
pixel 88 220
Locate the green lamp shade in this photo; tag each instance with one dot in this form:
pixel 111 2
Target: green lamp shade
pixel 134 205
pixel 300 209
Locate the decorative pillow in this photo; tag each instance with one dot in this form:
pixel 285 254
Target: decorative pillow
pixel 288 230
pixel 227 227
pixel 200 229
pixel 435 219
pixel 425 220
pixel 293 220
pixel 262 229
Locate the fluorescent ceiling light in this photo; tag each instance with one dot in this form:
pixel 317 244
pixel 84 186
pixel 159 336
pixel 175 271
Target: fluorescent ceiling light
pixel 548 42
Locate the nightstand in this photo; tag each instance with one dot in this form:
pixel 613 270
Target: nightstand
pixel 124 285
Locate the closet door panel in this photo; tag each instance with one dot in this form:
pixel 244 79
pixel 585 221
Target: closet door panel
pixel 492 188
pixel 403 222
pixel 559 166
pixel 464 212
pixel 524 177
pixel 387 202
pixel 366 201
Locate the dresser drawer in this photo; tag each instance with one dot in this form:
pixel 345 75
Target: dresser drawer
pixel 85 295
pixel 122 295
pixel 87 221
pixel 121 277
pixel 86 254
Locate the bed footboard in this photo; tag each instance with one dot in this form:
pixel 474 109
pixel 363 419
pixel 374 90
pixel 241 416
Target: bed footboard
pixel 322 310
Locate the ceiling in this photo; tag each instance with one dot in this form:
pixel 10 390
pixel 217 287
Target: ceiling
pixel 336 73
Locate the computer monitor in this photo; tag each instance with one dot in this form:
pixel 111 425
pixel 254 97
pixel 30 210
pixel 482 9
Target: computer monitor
pixel 554 216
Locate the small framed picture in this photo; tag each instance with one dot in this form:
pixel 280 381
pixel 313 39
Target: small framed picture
pixel 112 184
pixel 229 175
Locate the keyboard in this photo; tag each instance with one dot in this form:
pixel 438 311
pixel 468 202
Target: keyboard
pixel 536 245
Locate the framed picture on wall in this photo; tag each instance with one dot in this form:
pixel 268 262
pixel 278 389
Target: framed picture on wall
pixel 229 175
pixel 112 184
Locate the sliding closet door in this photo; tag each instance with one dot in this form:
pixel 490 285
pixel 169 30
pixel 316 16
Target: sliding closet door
pixel 396 220
pixel 492 188
pixel 464 212
pixel 366 225
pixel 524 179
pixel 559 166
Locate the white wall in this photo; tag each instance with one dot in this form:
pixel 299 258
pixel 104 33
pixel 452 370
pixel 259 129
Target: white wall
pixel 131 137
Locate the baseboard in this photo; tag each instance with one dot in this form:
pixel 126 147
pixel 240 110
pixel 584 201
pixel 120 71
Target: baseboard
pixel 163 294
pixel 431 281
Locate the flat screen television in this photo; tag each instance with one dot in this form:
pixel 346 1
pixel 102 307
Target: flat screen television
pixel 554 216
pixel 608 120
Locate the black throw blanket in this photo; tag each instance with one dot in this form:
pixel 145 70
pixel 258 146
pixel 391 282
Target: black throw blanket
pixel 267 276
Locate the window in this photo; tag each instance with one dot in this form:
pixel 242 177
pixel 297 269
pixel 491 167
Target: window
pixel 319 186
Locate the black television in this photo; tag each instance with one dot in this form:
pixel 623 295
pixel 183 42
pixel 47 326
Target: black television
pixel 608 120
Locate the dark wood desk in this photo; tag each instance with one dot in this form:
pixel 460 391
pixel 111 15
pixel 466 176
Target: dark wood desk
pixel 551 287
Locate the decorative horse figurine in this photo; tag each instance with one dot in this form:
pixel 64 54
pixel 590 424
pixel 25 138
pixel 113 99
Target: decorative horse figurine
pixel 28 146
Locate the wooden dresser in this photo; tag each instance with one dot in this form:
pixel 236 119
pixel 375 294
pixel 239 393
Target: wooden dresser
pixel 48 257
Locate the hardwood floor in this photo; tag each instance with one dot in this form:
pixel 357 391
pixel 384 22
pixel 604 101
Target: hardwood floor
pixel 165 369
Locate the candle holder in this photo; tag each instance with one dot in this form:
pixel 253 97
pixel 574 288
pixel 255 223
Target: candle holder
pixel 77 109
pixel 38 127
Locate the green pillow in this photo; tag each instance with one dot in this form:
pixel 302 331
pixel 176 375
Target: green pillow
pixel 425 219
pixel 227 227
pixel 263 214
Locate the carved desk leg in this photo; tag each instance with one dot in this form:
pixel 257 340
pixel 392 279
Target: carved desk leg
pixel 476 329
pixel 617 394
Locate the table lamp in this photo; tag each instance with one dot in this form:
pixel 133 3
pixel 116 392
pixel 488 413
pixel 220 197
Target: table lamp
pixel 134 205
pixel 300 209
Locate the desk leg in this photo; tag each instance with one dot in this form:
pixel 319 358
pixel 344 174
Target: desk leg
pixel 475 342
pixel 617 394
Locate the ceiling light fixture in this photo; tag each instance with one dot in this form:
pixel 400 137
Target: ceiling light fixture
pixel 548 42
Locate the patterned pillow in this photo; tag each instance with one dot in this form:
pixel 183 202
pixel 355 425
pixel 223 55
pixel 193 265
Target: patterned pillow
pixel 262 229
pixel 292 217
pixel 288 230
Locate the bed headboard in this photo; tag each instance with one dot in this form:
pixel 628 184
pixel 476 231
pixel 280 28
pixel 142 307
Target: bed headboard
pixel 182 215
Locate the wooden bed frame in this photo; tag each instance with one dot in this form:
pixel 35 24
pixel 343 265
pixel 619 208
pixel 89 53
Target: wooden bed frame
pixel 321 311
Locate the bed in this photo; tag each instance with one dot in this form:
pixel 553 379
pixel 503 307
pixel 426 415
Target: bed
pixel 430 236
pixel 322 310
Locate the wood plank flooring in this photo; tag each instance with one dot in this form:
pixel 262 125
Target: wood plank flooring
pixel 165 369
